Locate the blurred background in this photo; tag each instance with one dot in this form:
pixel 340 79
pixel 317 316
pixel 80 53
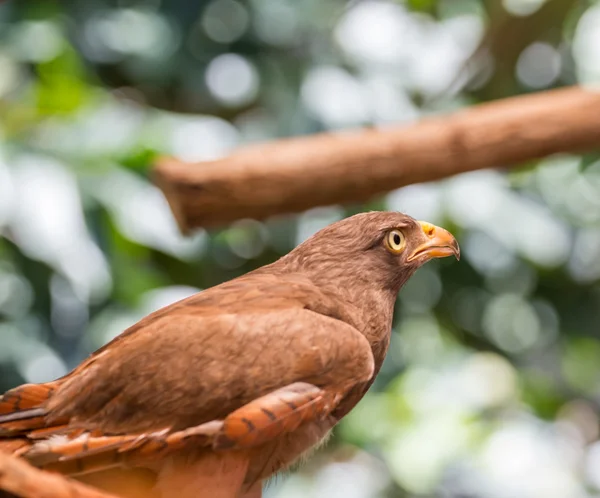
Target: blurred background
pixel 491 388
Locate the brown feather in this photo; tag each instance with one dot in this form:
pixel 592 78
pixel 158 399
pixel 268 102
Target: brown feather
pixel 25 397
pixel 260 368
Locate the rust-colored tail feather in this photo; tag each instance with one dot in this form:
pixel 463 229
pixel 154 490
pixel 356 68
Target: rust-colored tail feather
pixel 77 452
pixel 21 408
pixel 81 454
pixel 25 397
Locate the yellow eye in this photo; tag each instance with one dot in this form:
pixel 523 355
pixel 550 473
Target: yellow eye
pixel 395 241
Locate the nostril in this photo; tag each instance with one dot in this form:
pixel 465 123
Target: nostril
pixel 428 229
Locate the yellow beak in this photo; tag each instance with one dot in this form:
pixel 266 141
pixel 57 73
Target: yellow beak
pixel 439 243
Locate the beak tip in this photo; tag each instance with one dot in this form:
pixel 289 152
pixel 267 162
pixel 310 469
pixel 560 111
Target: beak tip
pixel 440 242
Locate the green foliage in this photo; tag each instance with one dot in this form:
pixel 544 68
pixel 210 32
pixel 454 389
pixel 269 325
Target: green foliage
pixel 59 86
pixel 581 364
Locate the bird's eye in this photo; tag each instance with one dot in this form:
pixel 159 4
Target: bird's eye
pixel 395 241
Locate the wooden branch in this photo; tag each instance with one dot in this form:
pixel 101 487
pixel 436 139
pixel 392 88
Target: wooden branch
pixel 296 174
pixel 21 479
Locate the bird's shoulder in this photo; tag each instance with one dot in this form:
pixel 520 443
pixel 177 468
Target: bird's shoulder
pixel 257 292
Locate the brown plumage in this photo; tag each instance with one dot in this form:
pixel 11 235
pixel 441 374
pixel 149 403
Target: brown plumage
pixel 215 393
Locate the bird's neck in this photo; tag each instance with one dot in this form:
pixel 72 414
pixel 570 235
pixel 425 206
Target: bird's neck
pixel 367 297
pixel 367 307
pixel 369 302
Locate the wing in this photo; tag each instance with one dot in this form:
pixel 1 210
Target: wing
pixel 171 376
pixel 231 379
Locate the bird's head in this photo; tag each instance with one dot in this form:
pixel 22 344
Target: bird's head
pixel 380 248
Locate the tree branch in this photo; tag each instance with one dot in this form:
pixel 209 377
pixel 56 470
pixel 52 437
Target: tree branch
pixel 296 174
pixel 21 479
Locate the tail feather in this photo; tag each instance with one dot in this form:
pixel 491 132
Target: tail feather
pixel 17 427
pixel 25 397
pixel 57 430
pixel 84 454
pixel 22 408
pixel 63 449
pixel 78 454
pixel 24 432
pixel 21 415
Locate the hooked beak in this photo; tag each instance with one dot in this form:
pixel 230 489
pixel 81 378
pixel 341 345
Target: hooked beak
pixel 439 243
